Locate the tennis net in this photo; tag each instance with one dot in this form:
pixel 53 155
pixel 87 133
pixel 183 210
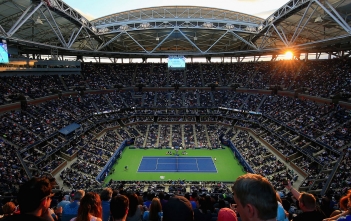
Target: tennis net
pixel 177 164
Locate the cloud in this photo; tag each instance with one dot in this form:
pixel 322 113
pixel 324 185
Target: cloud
pixel 248 1
pixel 264 14
pixel 86 15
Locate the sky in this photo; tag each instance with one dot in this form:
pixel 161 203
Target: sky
pixel 92 9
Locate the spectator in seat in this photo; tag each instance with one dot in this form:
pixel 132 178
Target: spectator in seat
pixel 282 215
pixel 65 201
pixel 178 208
pixel 345 206
pixel 106 195
pixel 90 208
pixel 203 212
pixel 71 210
pixel 307 203
pixel 255 198
pixel 155 211
pixel 8 209
pixel 34 198
pixel 135 211
pixel 119 208
pixel 226 214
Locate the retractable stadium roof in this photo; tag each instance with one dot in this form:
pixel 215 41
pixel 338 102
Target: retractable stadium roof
pixel 40 26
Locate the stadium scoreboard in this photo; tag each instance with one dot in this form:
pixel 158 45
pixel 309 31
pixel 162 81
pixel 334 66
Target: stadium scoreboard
pixel 4 55
pixel 176 62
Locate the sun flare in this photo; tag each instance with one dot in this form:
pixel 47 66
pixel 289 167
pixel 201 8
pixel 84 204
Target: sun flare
pixel 288 55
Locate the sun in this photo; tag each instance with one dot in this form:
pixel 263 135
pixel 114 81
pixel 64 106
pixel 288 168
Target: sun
pixel 288 55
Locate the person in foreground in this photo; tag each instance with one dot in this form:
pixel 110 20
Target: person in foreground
pixel 345 205
pixel 178 208
pixel 34 198
pixel 255 198
pixel 119 208
pixel 90 208
pixel 307 203
pixel 155 211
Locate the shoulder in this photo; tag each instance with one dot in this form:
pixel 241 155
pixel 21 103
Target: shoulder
pixel 344 218
pixel 314 215
pixel 22 217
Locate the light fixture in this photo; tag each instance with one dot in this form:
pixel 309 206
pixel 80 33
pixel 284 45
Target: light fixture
pixel 38 21
pixel 229 26
pixel 270 19
pixel 208 25
pixel 145 25
pixel 319 19
pixel 250 28
pixel 103 30
pixel 83 20
pixel 124 27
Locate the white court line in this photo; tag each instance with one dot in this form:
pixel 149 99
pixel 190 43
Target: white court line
pixel 156 164
pixel 140 163
pixel 214 165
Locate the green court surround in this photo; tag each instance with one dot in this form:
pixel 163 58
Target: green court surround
pixel 227 166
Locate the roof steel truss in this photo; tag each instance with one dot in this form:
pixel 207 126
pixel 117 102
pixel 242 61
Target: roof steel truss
pixel 289 34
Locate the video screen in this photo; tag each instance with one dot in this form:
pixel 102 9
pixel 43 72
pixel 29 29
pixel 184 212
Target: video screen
pixel 4 55
pixel 176 62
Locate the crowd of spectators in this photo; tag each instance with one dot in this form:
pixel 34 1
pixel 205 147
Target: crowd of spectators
pixel 328 124
pixel 136 200
pixel 291 75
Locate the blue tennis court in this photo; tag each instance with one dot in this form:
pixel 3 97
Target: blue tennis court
pixel 177 164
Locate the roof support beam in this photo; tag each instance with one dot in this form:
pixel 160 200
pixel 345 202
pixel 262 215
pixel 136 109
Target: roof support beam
pixel 243 40
pixel 24 17
pixel 92 46
pixel 266 38
pixel 280 36
pixel 337 18
pixel 192 43
pixel 163 40
pixel 137 42
pixel 110 41
pixel 216 41
pixel 299 28
pixel 20 19
pixel 57 34
pixel 2 31
pixel 71 41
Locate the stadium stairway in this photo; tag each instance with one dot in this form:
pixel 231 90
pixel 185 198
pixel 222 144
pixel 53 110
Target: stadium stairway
pixel 202 76
pixel 58 178
pixel 146 135
pixel 245 102
pixel 182 134
pixel 301 178
pixel 259 106
pixel 108 101
pixel 63 83
pixel 158 137
pixel 335 128
pixel 207 137
pixel 295 76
